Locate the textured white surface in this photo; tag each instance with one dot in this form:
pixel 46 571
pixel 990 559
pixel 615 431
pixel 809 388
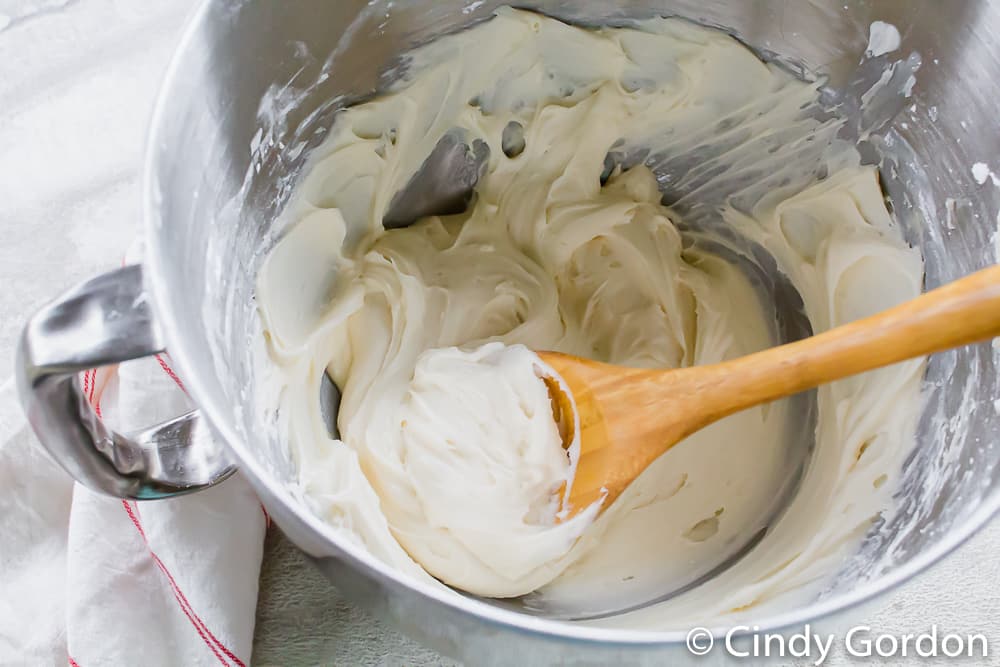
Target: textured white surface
pixel 76 91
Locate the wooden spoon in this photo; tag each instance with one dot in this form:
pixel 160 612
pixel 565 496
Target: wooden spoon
pixel 630 416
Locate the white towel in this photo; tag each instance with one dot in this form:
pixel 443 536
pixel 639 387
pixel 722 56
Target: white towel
pixel 89 580
pixel 86 579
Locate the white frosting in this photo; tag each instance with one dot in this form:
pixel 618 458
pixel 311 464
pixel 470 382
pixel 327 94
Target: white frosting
pixel 883 38
pixel 982 172
pixel 483 458
pixel 449 462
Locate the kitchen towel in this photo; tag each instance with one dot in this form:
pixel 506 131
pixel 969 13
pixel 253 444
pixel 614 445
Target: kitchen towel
pixel 90 580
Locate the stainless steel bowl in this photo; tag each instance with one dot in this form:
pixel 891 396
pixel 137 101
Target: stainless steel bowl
pixel 249 94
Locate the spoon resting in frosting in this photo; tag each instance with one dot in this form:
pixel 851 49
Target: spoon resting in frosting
pixel 628 417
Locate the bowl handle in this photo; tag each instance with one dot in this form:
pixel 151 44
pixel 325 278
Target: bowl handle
pixel 105 321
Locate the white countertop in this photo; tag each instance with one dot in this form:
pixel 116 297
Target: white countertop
pixel 77 82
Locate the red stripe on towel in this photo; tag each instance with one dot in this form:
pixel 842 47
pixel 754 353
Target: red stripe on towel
pixel 170 372
pixel 199 625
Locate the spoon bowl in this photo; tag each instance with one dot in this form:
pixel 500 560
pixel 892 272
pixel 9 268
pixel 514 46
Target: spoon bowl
pixel 630 416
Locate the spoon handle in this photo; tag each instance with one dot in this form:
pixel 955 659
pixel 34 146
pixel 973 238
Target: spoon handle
pixel 962 312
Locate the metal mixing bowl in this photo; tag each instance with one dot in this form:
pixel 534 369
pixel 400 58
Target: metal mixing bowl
pixel 249 94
